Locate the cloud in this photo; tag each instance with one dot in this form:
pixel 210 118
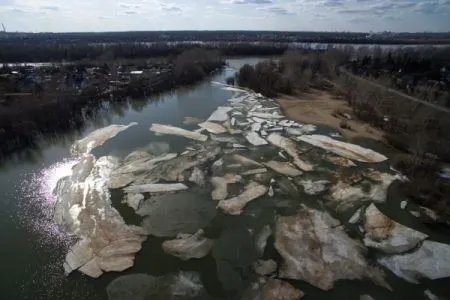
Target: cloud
pixel 50 7
pixel 428 7
pixel 327 15
pixel 252 2
pixel 379 8
pixel 357 20
pixel 131 12
pixel 129 6
pixel 276 10
pixel 392 18
pixel 383 6
pixel 353 11
pixel 16 10
pixel 172 9
pixel 332 3
pixel 405 4
pixel 7 2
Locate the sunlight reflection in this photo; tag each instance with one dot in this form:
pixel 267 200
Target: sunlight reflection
pixel 36 208
pixel 47 179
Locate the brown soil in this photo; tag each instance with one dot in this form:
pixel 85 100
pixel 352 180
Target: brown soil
pixel 320 107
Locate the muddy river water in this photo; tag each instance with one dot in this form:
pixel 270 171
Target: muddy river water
pixel 270 227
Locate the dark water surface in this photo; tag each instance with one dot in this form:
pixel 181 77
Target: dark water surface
pixel 32 248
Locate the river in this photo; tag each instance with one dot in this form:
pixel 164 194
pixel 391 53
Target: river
pixel 33 249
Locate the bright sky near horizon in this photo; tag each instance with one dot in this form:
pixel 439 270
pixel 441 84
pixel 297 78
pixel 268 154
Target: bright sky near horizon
pixel 295 15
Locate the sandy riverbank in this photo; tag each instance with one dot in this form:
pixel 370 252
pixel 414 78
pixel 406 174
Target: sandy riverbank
pixel 319 107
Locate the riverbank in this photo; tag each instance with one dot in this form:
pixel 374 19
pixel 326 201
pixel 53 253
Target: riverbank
pixel 36 102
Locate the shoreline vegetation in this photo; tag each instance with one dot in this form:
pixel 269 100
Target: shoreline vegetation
pixel 14 53
pixel 387 38
pixel 418 132
pixel 44 101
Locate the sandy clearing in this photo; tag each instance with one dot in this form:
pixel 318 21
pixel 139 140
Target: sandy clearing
pixel 317 107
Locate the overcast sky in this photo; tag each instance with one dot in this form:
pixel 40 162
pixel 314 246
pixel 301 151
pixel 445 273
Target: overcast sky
pixel 329 15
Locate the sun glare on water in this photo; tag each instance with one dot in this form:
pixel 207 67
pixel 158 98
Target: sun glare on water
pixel 49 177
pixel 37 205
pixel 35 213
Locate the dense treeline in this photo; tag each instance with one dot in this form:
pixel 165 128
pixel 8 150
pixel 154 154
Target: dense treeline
pixel 228 36
pixel 76 51
pixel 424 73
pixel 16 53
pixel 295 70
pixel 265 77
pixel 71 94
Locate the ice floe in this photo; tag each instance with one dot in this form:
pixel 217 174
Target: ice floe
pixel 97 138
pixel 167 129
pixel 388 236
pixel 346 150
pixel 317 250
pixel 235 205
pixel 430 261
pixel 189 246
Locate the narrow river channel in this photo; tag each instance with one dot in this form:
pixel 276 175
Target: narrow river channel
pixel 33 249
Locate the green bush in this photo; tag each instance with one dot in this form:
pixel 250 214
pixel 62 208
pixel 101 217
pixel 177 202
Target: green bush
pixel 193 65
pixel 265 78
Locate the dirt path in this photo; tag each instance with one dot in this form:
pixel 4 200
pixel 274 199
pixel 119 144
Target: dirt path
pixel 319 107
pixel 431 105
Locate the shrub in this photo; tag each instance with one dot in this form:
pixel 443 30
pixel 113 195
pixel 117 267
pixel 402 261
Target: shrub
pixel 265 78
pixel 344 125
pixel 230 80
pixel 245 74
pixel 192 65
pixel 398 141
pixel 424 186
pixel 415 166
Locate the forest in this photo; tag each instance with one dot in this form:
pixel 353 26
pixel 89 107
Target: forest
pixel 420 72
pixel 228 36
pixel 50 100
pixel 48 52
pixel 424 73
